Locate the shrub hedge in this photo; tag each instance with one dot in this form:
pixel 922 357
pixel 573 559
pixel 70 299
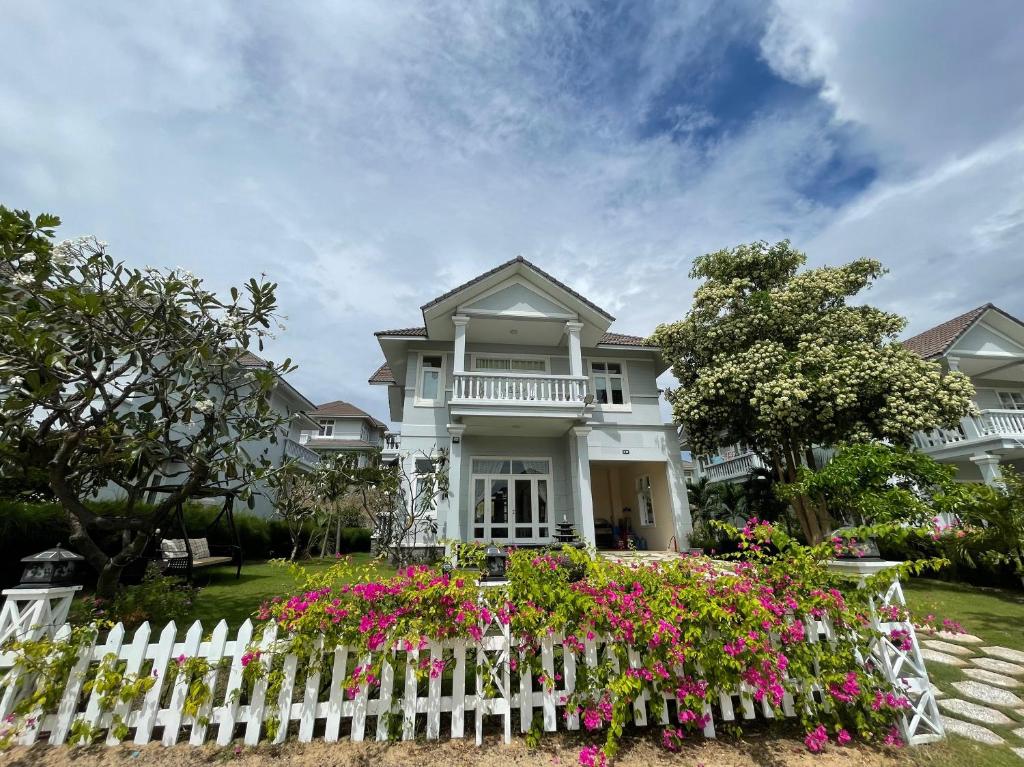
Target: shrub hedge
pixel 27 528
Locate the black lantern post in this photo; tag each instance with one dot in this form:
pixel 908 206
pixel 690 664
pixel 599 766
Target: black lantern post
pixel 53 567
pixel 495 560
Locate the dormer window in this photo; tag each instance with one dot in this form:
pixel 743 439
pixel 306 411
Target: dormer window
pixel 430 390
pixel 327 427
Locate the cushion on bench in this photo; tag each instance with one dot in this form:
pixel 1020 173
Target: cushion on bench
pixel 174 548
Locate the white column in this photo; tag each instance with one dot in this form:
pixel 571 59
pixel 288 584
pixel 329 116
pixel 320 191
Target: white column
pixel 988 464
pixel 453 524
pixel 460 323
pixel 575 354
pixel 682 522
pixel 584 498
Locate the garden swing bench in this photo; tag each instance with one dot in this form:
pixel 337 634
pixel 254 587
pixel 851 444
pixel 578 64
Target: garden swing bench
pixel 182 556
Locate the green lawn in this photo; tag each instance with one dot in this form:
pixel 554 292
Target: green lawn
pixel 995 615
pixel 222 596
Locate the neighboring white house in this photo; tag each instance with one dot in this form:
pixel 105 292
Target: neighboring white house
pixel 546 414
pixel 288 402
pixel 987 344
pixel 342 427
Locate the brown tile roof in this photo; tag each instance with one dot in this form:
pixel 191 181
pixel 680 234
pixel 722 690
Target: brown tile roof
pixel 510 262
pixel 329 443
pixel 621 339
pixel 249 359
pixel 383 375
pixel 610 339
pixel 403 332
pixel 937 341
pixel 341 409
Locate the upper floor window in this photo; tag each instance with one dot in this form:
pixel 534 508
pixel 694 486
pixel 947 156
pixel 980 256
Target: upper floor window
pixel 645 500
pixel 1011 400
pixel 609 383
pixel 327 427
pixel 517 364
pixel 431 381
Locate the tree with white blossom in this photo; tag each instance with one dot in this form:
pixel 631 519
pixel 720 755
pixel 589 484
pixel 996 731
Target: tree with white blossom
pixel 136 380
pixel 776 357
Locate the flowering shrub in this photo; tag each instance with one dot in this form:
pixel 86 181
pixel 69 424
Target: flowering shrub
pixel 679 633
pixel 697 628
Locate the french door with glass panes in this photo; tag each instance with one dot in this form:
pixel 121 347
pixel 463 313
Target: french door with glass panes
pixel 510 499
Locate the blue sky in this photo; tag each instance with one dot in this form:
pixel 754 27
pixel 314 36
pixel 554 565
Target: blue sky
pixel 369 155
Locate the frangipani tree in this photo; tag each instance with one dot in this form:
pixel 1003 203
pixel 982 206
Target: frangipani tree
pixel 131 379
pixel 776 358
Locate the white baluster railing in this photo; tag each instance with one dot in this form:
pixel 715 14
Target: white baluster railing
pixel 518 389
pixel 987 424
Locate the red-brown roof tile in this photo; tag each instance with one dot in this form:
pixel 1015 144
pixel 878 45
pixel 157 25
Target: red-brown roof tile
pixel 383 375
pixel 341 409
pixel 936 341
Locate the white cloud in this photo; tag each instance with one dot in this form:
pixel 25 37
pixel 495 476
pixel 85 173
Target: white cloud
pixel 368 157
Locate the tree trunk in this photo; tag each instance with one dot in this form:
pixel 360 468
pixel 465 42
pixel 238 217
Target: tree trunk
pixel 805 512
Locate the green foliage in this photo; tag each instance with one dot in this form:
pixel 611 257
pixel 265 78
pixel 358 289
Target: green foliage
pixel 776 358
pixel 873 484
pixel 158 599
pixel 990 532
pixel 132 378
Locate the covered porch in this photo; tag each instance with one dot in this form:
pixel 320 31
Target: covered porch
pixel 633 506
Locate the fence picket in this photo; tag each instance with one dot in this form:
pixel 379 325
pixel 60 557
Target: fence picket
pixel 569 665
pixel 172 725
pixel 227 715
pixel 387 680
pixel 112 647
pixel 218 644
pixel 409 697
pixel 259 690
pixel 284 697
pixel 362 703
pixel 33 731
pixel 547 662
pixel 307 715
pixel 336 700
pixel 459 690
pixel 525 696
pixel 69 701
pixel 151 703
pixel 135 656
pixel 434 692
pixel 639 703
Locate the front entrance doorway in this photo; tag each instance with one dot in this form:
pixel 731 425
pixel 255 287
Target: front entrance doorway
pixel 510 499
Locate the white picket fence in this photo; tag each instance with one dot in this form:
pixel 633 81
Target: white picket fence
pixel 312 701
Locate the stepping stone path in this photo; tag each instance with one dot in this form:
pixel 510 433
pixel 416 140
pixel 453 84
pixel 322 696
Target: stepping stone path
pixel 946 647
pixel 992 672
pixel 988 694
pixel 973 731
pixel 999 666
pixel 991 677
pixel 940 657
pixel 1005 653
pixel 974 711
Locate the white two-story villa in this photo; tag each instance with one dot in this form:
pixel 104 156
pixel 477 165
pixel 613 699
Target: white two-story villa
pixel 344 428
pixel 988 345
pixel 547 415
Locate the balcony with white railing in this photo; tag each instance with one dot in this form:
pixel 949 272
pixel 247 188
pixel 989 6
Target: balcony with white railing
pixel 731 468
pixel 519 389
pixel 300 453
pixel 392 442
pixel 987 426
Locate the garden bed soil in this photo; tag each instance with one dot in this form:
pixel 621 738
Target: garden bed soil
pixel 555 751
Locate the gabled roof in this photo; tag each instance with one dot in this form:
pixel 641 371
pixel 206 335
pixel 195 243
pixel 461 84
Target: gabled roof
pixel 250 360
pixel 938 340
pixel 341 409
pixel 383 375
pixel 510 262
pixel 608 339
